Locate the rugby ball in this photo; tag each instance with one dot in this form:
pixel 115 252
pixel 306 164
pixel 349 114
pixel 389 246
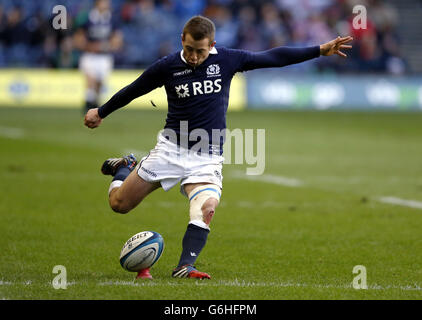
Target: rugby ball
pixel 141 251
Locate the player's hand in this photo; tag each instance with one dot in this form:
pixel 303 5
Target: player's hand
pixel 335 46
pixel 92 119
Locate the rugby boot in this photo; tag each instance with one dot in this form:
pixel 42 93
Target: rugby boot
pixel 111 165
pixel 189 271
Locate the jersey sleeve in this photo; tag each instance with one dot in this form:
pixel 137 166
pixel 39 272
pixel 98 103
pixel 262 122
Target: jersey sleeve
pixel 152 78
pixel 273 58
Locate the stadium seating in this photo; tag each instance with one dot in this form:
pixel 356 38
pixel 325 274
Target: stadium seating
pixel 255 25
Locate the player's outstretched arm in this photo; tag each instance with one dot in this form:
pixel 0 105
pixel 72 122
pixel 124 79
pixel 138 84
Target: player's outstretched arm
pixel 284 56
pixel 92 118
pixel 335 46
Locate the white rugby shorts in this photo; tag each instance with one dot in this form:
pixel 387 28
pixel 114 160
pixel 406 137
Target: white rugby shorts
pixel 170 164
pixel 96 65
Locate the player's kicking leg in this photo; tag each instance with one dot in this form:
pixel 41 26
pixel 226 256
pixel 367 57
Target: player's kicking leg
pixel 203 199
pixel 127 189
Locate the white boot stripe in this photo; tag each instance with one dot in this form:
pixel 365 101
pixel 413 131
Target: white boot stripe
pixel 181 273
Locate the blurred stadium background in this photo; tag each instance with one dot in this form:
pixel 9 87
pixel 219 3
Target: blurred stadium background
pixel 383 69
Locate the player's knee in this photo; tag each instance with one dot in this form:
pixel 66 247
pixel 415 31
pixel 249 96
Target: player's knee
pixel 208 210
pixel 203 201
pixel 119 206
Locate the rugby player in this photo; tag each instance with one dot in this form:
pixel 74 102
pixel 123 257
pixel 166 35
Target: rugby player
pixel 98 38
pixel 197 82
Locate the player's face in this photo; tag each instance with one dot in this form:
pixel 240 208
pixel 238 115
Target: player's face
pixel 196 51
pixel 103 5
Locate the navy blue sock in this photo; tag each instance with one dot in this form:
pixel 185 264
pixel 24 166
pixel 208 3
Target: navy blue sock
pixel 122 173
pixel 193 242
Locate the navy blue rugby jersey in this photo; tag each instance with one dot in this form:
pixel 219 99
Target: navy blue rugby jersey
pixel 99 26
pixel 200 95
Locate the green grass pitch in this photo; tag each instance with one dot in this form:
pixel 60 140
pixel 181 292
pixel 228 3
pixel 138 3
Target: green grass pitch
pixel 268 240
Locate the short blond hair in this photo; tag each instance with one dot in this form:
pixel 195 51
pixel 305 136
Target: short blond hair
pixel 200 27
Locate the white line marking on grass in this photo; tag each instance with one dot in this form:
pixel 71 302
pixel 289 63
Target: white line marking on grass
pixel 402 202
pixel 251 284
pixel 128 283
pixel 273 179
pixel 223 283
pixel 12 133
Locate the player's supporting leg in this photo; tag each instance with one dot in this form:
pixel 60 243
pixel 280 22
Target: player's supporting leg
pixel 203 199
pixel 127 190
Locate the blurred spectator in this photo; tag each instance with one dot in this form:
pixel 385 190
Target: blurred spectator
pixel 65 56
pixel 318 29
pixel 151 29
pixel 14 30
pixel 248 37
pixel 2 44
pixel 271 27
pixel 226 27
pixel 185 9
pixel 383 15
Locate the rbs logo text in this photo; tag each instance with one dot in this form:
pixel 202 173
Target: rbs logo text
pixel 206 87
